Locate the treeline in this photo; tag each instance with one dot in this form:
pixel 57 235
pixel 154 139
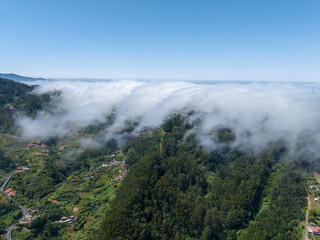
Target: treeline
pixel 184 192
pixel 280 218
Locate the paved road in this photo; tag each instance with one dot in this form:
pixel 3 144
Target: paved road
pixel 9 231
pixel 23 210
pixel 6 181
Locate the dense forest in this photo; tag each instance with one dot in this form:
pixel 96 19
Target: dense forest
pixel 184 192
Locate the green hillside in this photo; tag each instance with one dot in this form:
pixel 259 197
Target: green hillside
pixel 161 184
pixel 16 97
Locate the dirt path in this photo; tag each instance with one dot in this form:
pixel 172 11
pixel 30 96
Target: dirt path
pixel 163 133
pixel 307 217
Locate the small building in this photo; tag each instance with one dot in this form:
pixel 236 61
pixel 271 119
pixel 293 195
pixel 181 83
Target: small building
pixel 118 178
pixel 116 163
pixel 22 169
pixel 35 210
pixel 10 192
pixel 315 230
pixel 31 145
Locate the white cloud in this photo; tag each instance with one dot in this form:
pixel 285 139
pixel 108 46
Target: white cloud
pixel 269 111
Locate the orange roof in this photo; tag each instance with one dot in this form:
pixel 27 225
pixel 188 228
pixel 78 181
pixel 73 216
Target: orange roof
pixel 10 192
pixel 118 178
pixel 315 229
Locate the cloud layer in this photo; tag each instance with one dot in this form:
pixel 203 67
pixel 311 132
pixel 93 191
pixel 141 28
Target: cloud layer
pixel 258 113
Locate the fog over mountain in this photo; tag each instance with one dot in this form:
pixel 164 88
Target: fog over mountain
pixel 258 113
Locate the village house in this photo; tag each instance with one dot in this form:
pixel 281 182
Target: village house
pixel 69 220
pixel 25 169
pixel 35 210
pixel 112 163
pixel 43 146
pixel 31 145
pixel 314 188
pixel 118 178
pixel 22 169
pixel 88 177
pixel 314 230
pixel 10 192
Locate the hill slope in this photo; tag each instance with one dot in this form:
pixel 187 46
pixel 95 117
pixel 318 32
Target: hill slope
pixel 16 97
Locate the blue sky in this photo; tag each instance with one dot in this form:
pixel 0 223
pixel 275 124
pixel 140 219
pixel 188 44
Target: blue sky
pixel 205 40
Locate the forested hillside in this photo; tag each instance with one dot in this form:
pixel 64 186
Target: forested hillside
pixel 15 97
pixel 180 191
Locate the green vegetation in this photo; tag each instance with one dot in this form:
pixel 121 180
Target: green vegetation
pixel 287 199
pixel 57 187
pixel 8 213
pixel 169 187
pixel 313 187
pixel 183 192
pixel 5 162
pixel 15 97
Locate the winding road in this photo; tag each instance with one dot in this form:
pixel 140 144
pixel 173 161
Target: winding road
pixel 23 210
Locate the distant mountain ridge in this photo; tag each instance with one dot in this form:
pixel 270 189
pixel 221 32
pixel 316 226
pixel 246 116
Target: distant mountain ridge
pixel 18 78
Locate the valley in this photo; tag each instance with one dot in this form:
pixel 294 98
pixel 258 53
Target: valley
pixel 159 183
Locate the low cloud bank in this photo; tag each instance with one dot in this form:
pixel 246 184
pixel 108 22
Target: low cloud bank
pixel 258 113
